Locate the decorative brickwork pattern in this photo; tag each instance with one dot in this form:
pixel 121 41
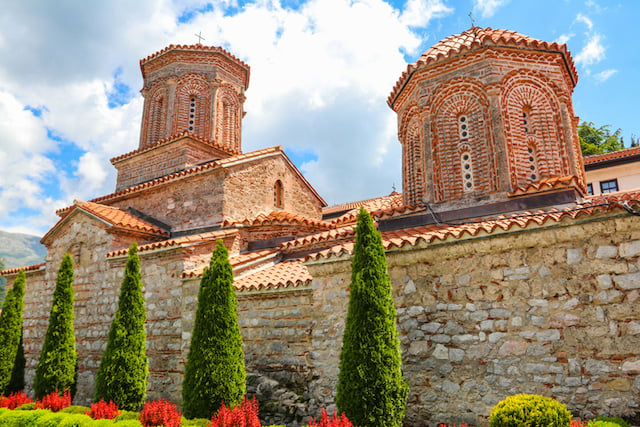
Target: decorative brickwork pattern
pixel 192 106
pixel 535 145
pixel 411 136
pixel 462 142
pixel 228 115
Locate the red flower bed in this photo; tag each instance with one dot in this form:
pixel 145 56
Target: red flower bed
pixel 160 413
pixel 103 410
pixel 55 401
pixel 244 415
pixel 334 421
pixel 14 400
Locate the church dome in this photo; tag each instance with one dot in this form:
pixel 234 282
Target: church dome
pixel 478 38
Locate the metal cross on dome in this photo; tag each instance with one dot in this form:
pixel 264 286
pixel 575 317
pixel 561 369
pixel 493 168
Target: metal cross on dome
pixel 199 36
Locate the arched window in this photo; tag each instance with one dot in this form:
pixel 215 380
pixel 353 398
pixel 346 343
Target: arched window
pixel 278 194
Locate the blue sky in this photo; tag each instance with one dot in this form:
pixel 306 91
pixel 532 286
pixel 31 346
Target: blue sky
pixel 320 74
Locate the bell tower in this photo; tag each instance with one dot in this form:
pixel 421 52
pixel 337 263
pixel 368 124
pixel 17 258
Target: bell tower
pixel 195 89
pixel 193 109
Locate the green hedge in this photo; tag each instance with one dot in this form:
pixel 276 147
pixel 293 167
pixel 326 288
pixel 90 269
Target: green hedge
pixel 529 410
pixel 608 422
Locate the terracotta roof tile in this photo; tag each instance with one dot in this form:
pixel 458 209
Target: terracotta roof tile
pixel 546 185
pixel 27 269
pixel 620 154
pixel 393 200
pixel 281 275
pixel 184 241
pixel 342 233
pixel 116 217
pixel 433 233
pixel 279 218
pixel 185 134
pixel 474 38
pixel 241 262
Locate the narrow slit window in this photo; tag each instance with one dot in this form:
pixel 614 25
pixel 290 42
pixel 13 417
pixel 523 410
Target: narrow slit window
pixel 463 126
pixel 278 196
pixel 192 114
pixel 467 172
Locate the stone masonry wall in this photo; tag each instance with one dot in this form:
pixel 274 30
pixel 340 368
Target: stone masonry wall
pixel 551 311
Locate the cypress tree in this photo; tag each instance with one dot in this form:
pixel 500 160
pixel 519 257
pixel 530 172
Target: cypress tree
pixel 371 389
pixel 122 375
pixel 56 368
pixel 16 383
pixel 11 328
pixel 215 370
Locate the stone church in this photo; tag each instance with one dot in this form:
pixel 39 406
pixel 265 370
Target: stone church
pixel 507 276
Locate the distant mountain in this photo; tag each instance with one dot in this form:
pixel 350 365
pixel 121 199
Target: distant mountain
pixel 19 250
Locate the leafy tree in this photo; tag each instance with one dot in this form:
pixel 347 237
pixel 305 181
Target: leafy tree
pixel 215 370
pixel 371 389
pixel 11 328
pixel 56 368
pixel 594 140
pixel 123 371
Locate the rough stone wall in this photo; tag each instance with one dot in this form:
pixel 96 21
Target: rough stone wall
pixel 172 204
pixel 235 193
pixel 95 298
pixel 249 191
pixel 551 311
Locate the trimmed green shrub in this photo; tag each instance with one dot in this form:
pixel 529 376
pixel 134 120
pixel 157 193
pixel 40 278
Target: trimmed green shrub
pixel 16 383
pixel 607 422
pixel 122 375
pixel 21 418
pixel 126 415
pixel 215 370
pixel 57 366
pixel 128 423
pixel 11 329
pixel 75 409
pixel 529 410
pixel 371 389
pixel 27 407
pixel 196 422
pixel 76 420
pixel 102 423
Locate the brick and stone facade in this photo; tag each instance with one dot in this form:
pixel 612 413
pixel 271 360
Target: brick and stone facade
pixel 507 280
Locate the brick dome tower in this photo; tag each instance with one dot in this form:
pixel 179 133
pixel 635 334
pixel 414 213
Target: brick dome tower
pixel 192 114
pixel 196 89
pixel 486 123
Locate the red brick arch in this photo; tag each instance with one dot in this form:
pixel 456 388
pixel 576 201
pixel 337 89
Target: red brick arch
pixel 458 98
pixel 228 117
pixel 192 86
pixel 541 137
pixel 411 136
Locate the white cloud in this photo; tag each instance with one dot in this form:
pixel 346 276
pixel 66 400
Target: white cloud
pixel 585 20
pixel 603 76
pixel 320 75
pixel 488 8
pixel 418 13
pixel 564 38
pixel 593 52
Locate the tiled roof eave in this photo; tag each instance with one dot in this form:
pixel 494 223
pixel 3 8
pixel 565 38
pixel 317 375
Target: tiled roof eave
pixel 187 173
pixel 171 140
pixel 35 268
